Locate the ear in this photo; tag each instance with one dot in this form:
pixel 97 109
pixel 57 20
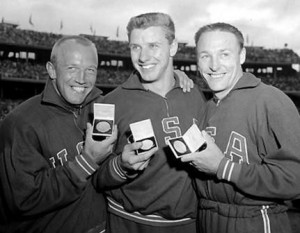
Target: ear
pixel 51 70
pixel 243 55
pixel 173 48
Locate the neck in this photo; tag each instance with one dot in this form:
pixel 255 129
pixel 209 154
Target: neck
pixel 222 94
pixel 162 86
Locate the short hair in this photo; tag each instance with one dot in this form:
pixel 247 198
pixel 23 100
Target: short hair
pixel 224 27
pixel 156 19
pixel 77 39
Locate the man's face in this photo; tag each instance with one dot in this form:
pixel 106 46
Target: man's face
pixel 151 53
pixel 219 60
pixel 75 72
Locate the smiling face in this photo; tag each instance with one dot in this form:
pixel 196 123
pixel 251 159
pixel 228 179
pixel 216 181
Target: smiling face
pixel 75 71
pixel 151 54
pixel 219 60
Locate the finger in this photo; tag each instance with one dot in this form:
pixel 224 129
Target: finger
pixel 115 130
pixel 188 158
pixel 187 84
pixel 111 147
pixel 114 135
pixel 183 85
pixel 89 130
pixel 147 155
pixel 191 83
pixel 133 146
pixel 206 136
pixel 144 165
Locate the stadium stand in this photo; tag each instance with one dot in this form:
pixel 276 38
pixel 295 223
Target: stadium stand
pixel 23 54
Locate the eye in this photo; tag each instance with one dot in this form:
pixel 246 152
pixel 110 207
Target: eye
pixel 91 70
pixel 72 68
pixel 204 56
pixel 153 46
pixel 225 54
pixel 134 47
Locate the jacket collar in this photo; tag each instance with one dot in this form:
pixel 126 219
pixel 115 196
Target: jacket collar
pixel 248 80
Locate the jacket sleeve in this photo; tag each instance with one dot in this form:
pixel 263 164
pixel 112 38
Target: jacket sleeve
pixel 277 176
pixel 111 175
pixel 29 184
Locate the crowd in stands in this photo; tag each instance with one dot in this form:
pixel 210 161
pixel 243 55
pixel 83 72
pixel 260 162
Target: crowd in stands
pixel 21 69
pixel 12 35
pixel 284 83
pixel 277 56
pixel 114 75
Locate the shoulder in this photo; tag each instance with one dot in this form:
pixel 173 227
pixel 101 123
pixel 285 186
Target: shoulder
pixel 273 99
pixel 19 118
pixel 272 94
pixel 197 94
pixel 113 95
pixel 26 107
pixel 26 113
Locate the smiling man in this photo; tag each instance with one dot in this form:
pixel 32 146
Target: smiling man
pixel 252 156
pixel 150 54
pixel 46 158
pixel 220 60
pixel 152 192
pixel 73 69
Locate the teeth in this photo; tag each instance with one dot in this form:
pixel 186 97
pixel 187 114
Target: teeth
pixel 216 75
pixel 78 89
pixel 148 66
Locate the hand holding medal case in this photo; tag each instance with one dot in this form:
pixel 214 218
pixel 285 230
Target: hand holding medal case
pixel 190 142
pixel 142 131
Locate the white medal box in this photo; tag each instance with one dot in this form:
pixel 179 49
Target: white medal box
pixel 142 131
pixel 104 117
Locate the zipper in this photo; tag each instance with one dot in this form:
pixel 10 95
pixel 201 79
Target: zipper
pixel 164 98
pixel 167 106
pixel 75 118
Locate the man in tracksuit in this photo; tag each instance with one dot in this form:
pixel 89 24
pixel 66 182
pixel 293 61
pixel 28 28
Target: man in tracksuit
pixel 252 159
pixel 47 154
pixel 152 192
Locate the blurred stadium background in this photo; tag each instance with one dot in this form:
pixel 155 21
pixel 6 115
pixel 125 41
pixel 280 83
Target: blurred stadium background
pixel 24 53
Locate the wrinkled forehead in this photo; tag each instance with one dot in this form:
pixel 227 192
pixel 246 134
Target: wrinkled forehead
pixel 217 40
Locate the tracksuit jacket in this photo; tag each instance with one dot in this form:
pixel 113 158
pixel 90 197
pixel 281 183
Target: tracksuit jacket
pixel 162 194
pixel 257 127
pixel 44 178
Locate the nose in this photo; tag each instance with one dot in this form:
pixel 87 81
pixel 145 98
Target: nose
pixel 144 55
pixel 80 77
pixel 214 63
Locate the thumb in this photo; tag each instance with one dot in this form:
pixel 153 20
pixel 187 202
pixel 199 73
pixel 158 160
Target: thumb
pixel 206 136
pixel 89 130
pixel 111 139
pixel 146 155
pixel 135 145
